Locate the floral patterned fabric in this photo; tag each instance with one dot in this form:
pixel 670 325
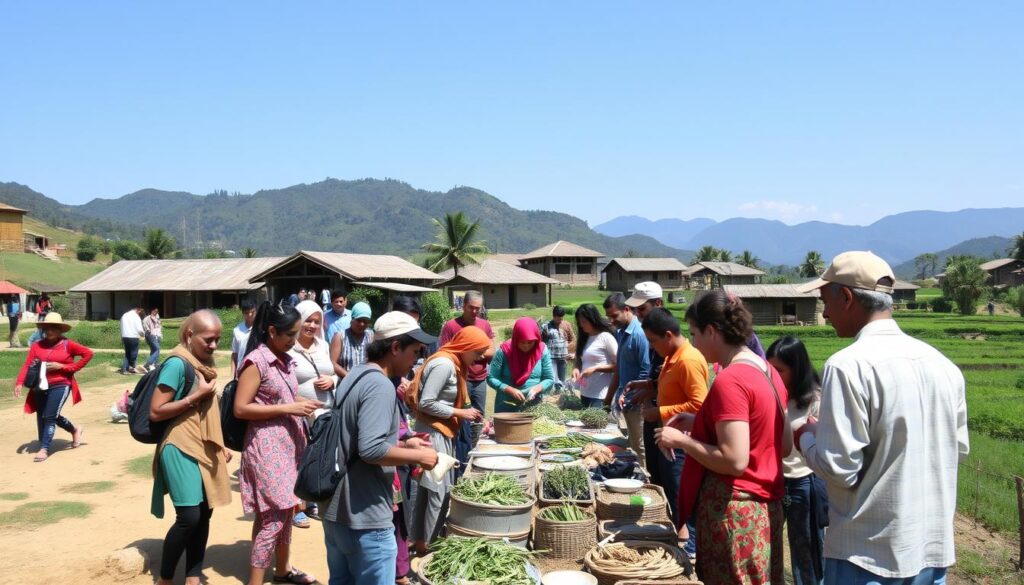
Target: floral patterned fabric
pixel 273 447
pixel 739 539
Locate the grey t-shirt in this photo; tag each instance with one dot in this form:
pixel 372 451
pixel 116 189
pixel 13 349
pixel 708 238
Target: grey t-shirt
pixel 370 419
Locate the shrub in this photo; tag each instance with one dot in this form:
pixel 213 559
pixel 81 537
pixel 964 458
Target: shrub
pixel 128 250
pixel 371 296
pixel 942 305
pixel 436 312
pixel 87 249
pixel 1015 298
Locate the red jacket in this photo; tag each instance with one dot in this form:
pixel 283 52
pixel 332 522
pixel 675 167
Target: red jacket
pixel 63 352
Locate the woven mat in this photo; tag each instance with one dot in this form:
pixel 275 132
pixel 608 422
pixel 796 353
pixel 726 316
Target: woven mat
pixel 609 497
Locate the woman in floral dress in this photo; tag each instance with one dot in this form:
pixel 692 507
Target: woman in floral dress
pixel 267 396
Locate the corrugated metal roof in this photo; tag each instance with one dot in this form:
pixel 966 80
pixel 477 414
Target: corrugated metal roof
pixel 993 264
pixel 768 291
pixel 904 285
pixel 724 269
pixel 358 266
pixel 512 259
pixel 647 264
pixel 178 275
pixel 496 272
pixel 563 249
pixel 5 207
pixel 396 286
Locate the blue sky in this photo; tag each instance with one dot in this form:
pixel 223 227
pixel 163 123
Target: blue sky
pixel 795 111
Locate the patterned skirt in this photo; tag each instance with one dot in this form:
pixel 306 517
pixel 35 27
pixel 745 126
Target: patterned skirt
pixel 739 539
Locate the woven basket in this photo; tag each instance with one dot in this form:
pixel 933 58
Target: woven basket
pixel 607 578
pixel 616 506
pixel 521 540
pixel 564 540
pixel 663 582
pixel 633 531
pixel 513 427
pixel 420 566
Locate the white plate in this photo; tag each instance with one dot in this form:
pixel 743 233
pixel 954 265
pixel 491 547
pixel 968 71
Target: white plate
pixel 623 486
pixel 502 463
pixel 568 578
pixel 576 424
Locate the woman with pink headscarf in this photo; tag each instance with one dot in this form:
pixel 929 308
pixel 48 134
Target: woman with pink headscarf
pixel 521 370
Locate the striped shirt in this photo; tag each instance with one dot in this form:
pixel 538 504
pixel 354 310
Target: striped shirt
pixel 892 430
pixel 353 351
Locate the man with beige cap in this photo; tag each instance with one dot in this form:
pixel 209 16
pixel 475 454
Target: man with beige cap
pixel 893 428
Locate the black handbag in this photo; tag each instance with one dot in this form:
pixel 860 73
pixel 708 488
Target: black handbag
pixel 32 374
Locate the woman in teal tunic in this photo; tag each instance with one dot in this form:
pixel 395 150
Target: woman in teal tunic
pixel 521 370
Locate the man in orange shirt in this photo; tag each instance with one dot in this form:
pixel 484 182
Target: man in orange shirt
pixel 682 387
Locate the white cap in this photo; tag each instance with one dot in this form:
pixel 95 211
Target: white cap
pixel 643 292
pixel 396 323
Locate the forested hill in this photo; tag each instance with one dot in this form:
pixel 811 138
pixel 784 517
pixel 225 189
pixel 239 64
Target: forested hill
pixel 58 214
pixel 369 216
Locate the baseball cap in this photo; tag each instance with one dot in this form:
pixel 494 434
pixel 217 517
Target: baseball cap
pixel 856 269
pixel 396 323
pixel 643 292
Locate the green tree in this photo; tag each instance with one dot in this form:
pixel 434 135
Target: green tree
pixel 926 264
pixel 1016 250
pixel 436 311
pixel 213 254
pixel 724 255
pixel 1015 298
pixel 812 265
pixel 748 259
pixel 127 250
pixel 706 254
pixel 455 243
pixel 159 244
pixel 965 284
pixel 249 252
pixel 87 249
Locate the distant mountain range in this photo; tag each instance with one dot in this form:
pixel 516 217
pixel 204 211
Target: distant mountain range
pixel 990 247
pixel 897 238
pixel 367 216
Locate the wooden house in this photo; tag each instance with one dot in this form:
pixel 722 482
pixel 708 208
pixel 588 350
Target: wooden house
pixel 778 304
pixel 503 285
pixel 12 228
pixel 622 274
pixel 565 262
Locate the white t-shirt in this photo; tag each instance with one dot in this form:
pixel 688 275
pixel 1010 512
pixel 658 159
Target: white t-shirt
pixel 131 325
pixel 600 350
pixel 310 365
pixel 795 466
pixel 239 339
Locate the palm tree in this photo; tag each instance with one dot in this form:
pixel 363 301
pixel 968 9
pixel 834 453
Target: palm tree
pixel 160 244
pixel 748 259
pixel 248 252
pixel 724 255
pixel 455 243
pixel 706 254
pixel 812 265
pixel 1016 250
pixel 965 284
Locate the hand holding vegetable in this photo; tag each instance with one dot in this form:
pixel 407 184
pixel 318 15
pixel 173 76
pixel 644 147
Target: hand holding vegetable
pixel 469 414
pixel 515 394
pixel 535 392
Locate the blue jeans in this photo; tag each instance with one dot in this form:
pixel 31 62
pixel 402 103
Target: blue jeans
pixel 478 400
pixel 154 349
pixel 48 404
pixel 839 572
pixel 804 503
pixel 360 557
pixel 559 366
pixel 131 352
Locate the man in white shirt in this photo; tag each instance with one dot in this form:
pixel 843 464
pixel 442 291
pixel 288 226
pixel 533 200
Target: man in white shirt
pixel 240 335
pixel 131 331
pixel 893 428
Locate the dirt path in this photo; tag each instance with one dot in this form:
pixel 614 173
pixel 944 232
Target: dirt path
pixel 75 550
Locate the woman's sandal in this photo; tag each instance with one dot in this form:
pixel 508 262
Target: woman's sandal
pixel 294 576
pixel 41 456
pixel 76 437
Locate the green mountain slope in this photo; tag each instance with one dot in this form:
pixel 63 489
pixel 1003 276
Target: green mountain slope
pixel 992 246
pixel 57 214
pixel 369 216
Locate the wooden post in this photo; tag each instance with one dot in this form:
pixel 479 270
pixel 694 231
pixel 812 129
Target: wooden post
pixel 1020 519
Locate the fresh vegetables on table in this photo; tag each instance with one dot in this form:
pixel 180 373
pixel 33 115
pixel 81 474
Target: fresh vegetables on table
pixel 546 410
pixel 494 489
pixel 564 513
pixel 570 402
pixel 570 441
pixel 593 418
pixel 543 426
pixel 567 482
pixel 456 559
pixel 595 454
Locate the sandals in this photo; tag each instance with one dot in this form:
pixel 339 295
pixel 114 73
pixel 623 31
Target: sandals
pixel 300 520
pixel 41 456
pixel 313 511
pixel 294 576
pixel 76 437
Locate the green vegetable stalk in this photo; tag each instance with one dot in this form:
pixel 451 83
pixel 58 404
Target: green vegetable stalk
pixel 567 482
pixel 493 489
pixel 456 559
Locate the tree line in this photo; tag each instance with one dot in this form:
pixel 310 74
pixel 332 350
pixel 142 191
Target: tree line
pixel 157 244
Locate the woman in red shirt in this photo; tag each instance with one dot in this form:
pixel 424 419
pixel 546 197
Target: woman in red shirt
pixel 58 353
pixel 734 451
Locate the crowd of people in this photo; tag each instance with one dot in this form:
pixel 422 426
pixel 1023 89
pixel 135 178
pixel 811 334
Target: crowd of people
pixel 859 463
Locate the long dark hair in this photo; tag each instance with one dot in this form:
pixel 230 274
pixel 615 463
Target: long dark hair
pixel 281 316
pixel 791 351
pixel 589 313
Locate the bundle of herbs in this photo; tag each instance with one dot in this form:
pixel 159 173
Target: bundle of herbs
pixel 493 489
pixel 457 559
pixel 567 482
pixel 564 513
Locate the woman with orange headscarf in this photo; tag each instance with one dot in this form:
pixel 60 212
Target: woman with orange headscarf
pixel 521 370
pixel 440 398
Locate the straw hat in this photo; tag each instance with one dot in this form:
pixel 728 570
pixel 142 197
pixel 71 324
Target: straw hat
pixel 56 320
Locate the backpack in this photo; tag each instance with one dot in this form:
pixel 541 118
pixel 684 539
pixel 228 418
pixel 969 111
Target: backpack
pixel 321 469
pixel 232 426
pixel 142 429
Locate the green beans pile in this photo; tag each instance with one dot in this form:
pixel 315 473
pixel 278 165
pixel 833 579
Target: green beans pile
pixel 543 426
pixel 570 441
pixel 547 410
pixel 567 482
pixel 456 559
pixel 493 489
pixel 563 513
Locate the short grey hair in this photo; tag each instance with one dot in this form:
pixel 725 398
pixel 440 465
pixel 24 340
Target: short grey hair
pixel 872 301
pixel 474 295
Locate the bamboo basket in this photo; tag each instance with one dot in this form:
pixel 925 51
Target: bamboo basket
pixel 633 531
pixel 565 540
pixel 660 582
pixel 521 540
pixel 616 506
pixel 611 578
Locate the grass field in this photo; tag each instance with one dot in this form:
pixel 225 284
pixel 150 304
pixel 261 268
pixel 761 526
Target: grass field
pixel 24 269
